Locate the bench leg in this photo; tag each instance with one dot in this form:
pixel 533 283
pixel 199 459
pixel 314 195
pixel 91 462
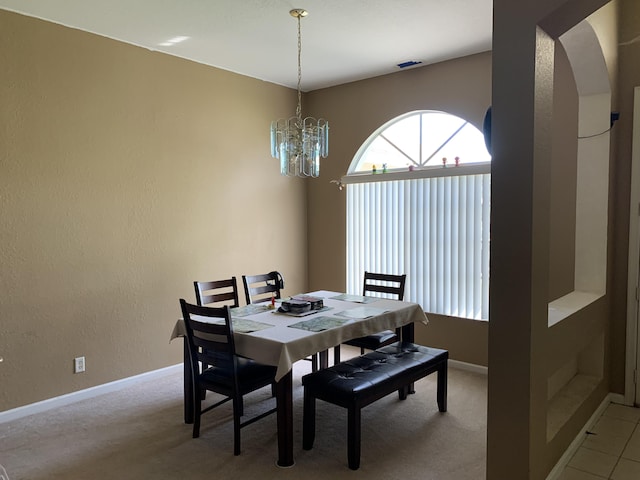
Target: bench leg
pixel 308 421
pixel 404 391
pixel 353 438
pixel 442 387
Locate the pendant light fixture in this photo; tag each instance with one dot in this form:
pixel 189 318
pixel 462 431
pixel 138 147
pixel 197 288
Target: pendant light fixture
pixel 299 142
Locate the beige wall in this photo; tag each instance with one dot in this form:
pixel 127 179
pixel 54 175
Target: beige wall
pixel 355 110
pixel 125 175
pixel 628 78
pixel 461 87
pixel 523 350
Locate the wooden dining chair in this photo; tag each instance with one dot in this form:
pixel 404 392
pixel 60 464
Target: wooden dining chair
pixel 391 286
pixel 215 292
pixel 260 288
pixel 211 343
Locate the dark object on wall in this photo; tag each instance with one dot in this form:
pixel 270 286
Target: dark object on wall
pixel 615 116
pixel 486 130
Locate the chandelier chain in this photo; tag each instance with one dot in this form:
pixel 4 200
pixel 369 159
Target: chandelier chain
pixel 299 107
pixel 298 142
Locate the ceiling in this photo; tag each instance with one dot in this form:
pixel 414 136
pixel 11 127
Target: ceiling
pixel 342 40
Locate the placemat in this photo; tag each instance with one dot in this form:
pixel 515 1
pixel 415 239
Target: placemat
pixel 319 324
pixel 244 325
pixel 250 309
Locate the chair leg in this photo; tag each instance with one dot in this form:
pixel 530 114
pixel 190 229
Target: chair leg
pixel 308 420
pixel 336 354
pixel 197 413
pixel 314 362
pixel 240 407
pixel 237 408
pixel 353 437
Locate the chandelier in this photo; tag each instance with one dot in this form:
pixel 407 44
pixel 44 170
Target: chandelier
pixel 299 142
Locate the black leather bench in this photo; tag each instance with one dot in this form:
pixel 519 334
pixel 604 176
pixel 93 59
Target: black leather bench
pixel 360 381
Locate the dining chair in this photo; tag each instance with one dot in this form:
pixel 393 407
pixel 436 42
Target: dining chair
pixel 392 286
pixel 210 342
pixel 217 291
pixel 260 288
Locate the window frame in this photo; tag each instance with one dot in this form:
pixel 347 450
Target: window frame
pixel 360 153
pixel 426 172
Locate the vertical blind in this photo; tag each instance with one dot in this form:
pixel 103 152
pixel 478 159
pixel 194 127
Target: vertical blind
pixel 436 230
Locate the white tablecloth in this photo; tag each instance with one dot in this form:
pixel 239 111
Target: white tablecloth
pixel 282 345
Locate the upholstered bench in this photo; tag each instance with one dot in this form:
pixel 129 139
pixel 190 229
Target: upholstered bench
pixel 360 381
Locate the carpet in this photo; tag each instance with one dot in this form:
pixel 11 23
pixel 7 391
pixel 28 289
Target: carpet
pixel 138 433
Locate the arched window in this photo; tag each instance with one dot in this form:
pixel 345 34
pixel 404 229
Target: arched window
pixel 421 139
pixel 410 211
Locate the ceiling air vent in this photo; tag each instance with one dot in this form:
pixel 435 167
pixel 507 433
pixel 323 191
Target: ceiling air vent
pixel 410 63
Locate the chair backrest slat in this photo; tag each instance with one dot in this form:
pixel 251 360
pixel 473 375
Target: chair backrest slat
pixel 384 283
pixel 217 291
pixel 260 288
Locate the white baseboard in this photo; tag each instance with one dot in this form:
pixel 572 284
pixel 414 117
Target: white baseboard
pixel 73 397
pixel 573 447
pixel 470 367
pixel 619 399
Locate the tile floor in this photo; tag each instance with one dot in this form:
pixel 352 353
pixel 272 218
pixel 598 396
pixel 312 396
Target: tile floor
pixel 611 450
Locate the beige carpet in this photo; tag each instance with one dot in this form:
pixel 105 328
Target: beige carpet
pixel 137 433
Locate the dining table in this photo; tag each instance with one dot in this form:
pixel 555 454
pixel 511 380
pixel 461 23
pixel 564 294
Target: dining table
pixel 264 333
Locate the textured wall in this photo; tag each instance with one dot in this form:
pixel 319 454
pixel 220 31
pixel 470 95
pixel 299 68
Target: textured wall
pixel 628 79
pixel 125 175
pixel 523 350
pixel 461 87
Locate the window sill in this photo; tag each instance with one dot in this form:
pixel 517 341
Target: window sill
pixel 428 172
pixel 571 303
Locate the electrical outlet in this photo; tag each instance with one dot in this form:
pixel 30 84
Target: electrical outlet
pixel 78 365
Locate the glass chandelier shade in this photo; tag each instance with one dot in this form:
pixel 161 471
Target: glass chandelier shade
pixel 299 142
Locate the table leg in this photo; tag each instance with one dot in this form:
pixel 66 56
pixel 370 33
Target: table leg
pixel 408 335
pixel 188 387
pixel 323 359
pixel 284 400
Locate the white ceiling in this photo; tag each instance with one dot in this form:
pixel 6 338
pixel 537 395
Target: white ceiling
pixel 342 40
